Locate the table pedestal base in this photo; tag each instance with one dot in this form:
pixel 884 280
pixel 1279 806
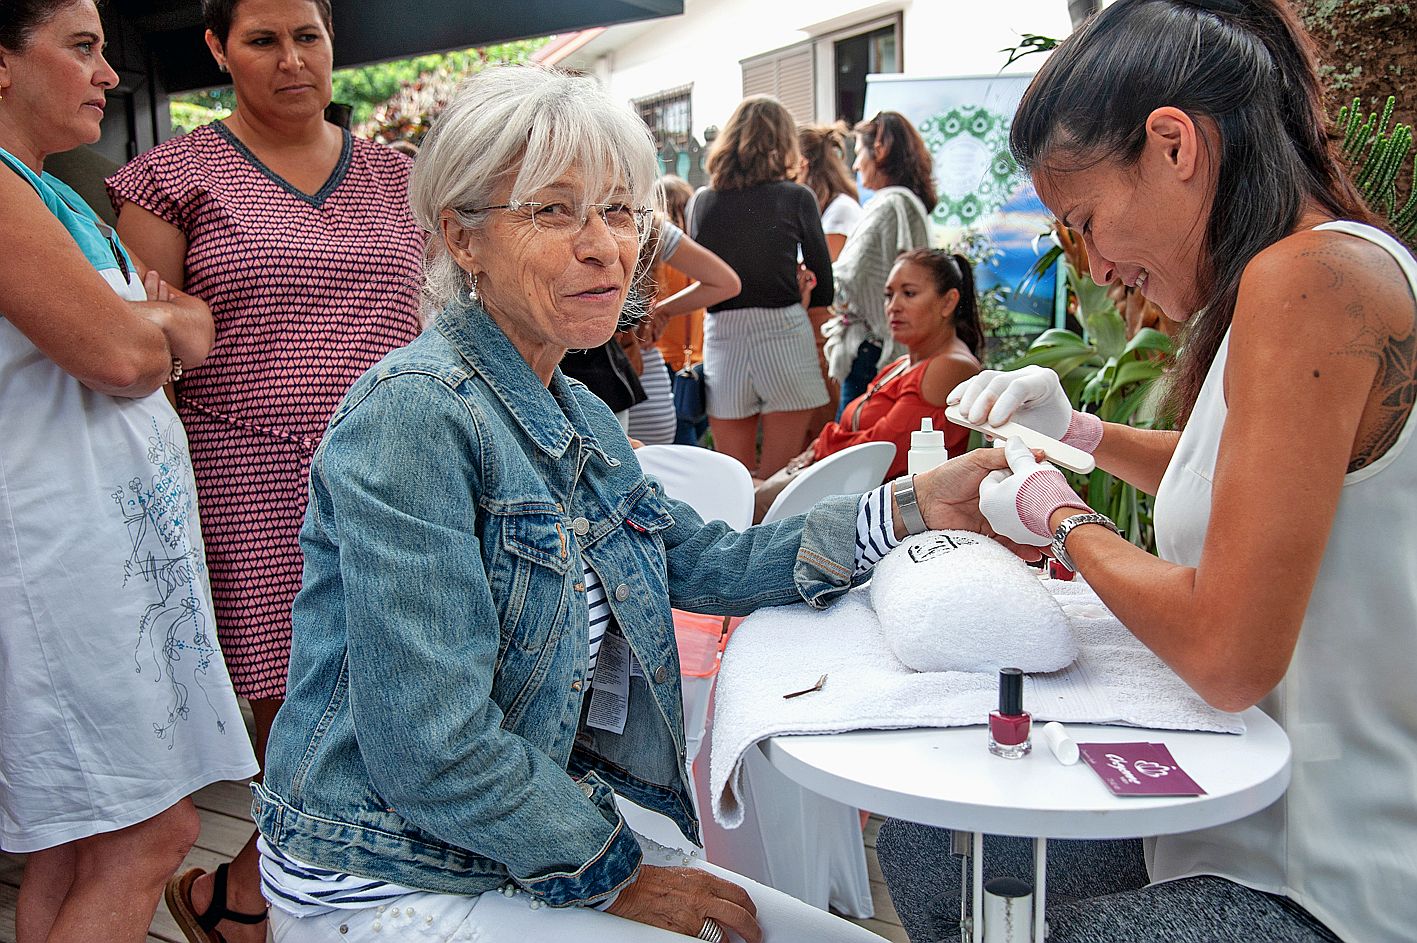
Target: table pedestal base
pixel 973 928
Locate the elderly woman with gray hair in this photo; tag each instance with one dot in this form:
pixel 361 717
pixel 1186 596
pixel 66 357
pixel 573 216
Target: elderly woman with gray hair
pixel 485 563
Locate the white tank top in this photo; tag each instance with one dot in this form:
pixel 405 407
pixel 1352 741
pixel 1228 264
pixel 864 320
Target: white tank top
pixel 1342 842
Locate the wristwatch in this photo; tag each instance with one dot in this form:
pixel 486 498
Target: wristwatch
pixel 903 490
pixel 1060 536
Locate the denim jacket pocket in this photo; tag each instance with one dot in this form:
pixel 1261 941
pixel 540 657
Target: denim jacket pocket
pixel 649 514
pixel 536 544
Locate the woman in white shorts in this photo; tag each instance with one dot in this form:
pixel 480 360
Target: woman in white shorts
pixel 760 353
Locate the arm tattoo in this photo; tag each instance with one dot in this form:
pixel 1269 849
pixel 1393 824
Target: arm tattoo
pixel 1375 331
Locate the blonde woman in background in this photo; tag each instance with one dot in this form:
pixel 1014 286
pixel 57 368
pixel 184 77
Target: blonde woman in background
pixel 759 354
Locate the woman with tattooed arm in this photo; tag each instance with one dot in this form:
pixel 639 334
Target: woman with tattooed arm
pixel 1286 511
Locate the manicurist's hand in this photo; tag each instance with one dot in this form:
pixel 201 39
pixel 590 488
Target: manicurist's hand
pixel 1019 502
pixel 681 899
pixel 1031 396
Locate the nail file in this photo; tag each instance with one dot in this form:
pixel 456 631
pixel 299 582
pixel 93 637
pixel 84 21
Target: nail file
pixel 1070 457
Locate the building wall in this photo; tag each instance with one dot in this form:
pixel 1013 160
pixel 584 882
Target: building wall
pixel 705 45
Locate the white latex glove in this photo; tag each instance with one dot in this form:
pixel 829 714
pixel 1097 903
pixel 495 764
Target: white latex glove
pixel 1031 396
pixel 1018 503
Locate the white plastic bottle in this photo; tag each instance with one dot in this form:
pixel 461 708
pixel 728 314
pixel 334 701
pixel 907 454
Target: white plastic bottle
pixel 927 448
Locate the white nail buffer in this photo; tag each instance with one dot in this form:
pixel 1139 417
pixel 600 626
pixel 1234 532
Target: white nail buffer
pixel 1071 458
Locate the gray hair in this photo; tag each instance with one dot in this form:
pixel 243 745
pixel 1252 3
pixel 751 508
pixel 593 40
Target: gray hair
pixel 532 123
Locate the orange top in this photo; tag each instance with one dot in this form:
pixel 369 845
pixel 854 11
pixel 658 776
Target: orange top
pixel 687 330
pixel 889 411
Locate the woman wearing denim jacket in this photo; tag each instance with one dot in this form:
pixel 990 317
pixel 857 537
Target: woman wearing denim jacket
pixel 479 537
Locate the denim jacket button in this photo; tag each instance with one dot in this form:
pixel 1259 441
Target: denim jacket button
pixel 581 526
pixel 622 592
pixel 588 789
pixel 661 674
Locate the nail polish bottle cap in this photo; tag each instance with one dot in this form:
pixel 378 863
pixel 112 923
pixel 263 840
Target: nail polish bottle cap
pixel 1010 692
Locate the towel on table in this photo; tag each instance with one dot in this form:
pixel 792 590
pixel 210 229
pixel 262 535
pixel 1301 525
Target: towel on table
pixel 1115 679
pixel 951 600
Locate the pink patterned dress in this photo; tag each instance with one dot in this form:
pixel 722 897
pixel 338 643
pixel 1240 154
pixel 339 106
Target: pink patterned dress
pixel 308 291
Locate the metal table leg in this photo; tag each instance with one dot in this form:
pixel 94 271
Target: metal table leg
pixel 977 921
pixel 1040 888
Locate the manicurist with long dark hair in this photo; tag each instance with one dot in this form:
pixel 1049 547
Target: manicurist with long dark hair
pixel 1185 142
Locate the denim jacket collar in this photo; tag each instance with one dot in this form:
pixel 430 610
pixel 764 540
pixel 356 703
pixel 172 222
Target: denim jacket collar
pixel 551 417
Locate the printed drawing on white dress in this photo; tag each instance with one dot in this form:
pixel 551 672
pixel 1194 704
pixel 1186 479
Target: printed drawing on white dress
pixel 176 643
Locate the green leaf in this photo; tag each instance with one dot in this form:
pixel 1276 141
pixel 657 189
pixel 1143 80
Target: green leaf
pixel 1062 359
pixel 1123 408
pixel 1107 330
pixel 1135 371
pixel 1149 338
pixel 1058 336
pixel 1034 276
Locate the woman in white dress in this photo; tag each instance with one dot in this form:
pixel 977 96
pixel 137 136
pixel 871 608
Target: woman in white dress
pixel 1286 514
pixel 114 702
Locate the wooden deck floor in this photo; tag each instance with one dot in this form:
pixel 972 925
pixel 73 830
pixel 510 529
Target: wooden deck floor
pixel 226 825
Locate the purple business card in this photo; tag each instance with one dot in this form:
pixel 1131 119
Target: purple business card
pixel 1139 769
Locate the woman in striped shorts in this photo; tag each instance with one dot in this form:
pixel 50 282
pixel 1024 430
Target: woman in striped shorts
pixel 760 358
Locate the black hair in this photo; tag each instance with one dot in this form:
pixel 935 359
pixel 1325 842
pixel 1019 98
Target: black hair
pixel 1245 65
pixel 953 271
pixel 218 14
pixel 905 160
pixel 20 18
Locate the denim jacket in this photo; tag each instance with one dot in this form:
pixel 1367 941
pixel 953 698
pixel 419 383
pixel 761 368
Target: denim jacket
pixel 432 731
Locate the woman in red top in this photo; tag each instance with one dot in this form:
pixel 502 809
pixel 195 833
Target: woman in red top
pixel 932 311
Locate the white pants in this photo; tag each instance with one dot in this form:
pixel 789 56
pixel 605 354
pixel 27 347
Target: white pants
pixel 495 918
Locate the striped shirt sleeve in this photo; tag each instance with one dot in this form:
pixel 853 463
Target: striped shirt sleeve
pixel 875 528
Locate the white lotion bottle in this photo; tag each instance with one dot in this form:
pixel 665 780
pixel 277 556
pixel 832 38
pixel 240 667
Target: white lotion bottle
pixel 927 448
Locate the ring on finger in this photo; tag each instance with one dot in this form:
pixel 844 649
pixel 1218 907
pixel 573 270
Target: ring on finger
pixel 711 931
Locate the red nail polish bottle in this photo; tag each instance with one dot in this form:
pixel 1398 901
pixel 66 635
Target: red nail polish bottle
pixel 1009 725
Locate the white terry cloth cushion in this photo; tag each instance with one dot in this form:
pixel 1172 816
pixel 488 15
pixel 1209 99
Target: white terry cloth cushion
pixel 957 601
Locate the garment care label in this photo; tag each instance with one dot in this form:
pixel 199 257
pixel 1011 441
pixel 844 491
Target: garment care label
pixel 1139 769
pixel 610 688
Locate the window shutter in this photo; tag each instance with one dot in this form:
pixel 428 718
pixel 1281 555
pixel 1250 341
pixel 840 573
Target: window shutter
pixel 789 75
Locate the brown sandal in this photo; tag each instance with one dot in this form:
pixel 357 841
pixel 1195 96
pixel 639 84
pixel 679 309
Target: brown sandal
pixel 201 928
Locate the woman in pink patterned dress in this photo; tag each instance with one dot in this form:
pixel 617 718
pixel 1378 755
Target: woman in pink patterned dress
pixel 299 238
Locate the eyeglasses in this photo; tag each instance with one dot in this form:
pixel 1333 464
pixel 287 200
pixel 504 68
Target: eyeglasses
pixel 566 219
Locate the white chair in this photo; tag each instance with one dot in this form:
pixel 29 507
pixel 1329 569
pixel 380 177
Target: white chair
pixel 715 485
pixel 718 488
pixel 856 469
pixel 792 839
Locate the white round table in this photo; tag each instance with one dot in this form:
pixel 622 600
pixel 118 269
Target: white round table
pixel 947 777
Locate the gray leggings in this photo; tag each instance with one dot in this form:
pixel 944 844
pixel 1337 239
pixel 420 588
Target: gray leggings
pixel 1097 893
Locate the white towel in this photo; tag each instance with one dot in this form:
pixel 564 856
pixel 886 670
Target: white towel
pixel 956 601
pixel 1115 679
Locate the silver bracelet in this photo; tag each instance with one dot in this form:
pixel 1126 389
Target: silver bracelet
pixel 903 490
pixel 1065 527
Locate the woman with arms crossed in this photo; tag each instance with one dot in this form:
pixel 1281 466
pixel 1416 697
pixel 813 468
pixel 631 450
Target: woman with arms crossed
pixel 115 705
pixel 1286 512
